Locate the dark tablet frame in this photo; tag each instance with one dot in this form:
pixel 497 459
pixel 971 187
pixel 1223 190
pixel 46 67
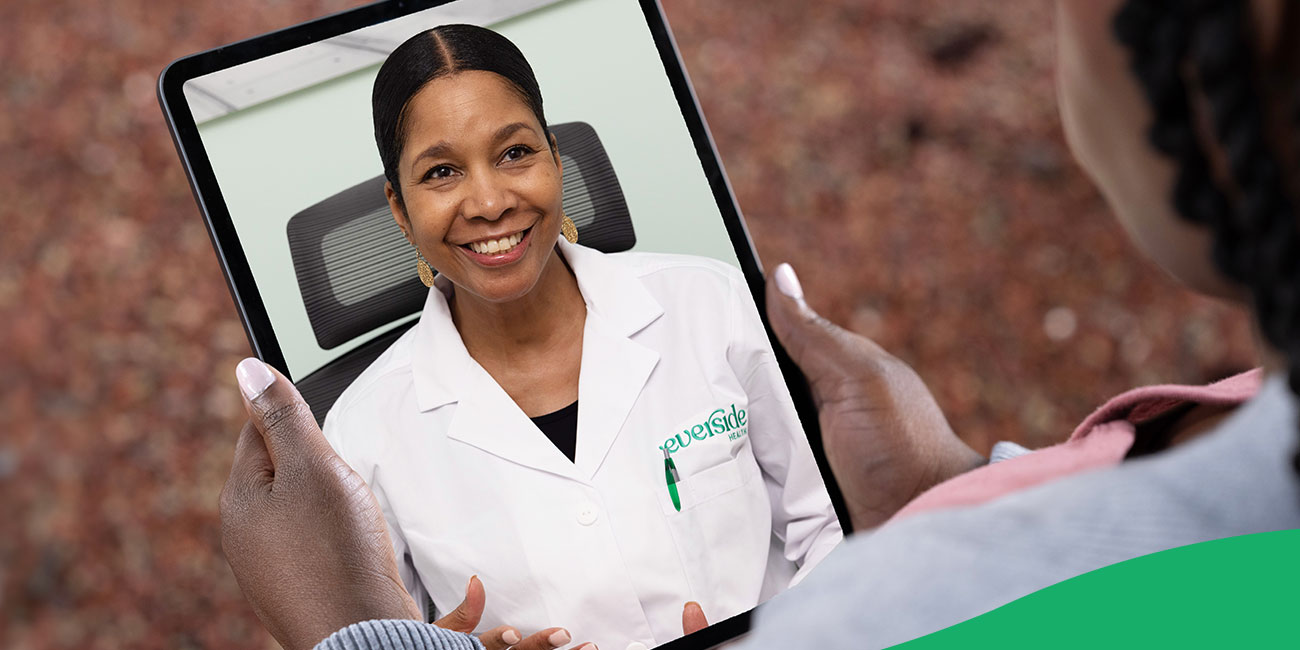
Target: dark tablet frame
pixel 239 278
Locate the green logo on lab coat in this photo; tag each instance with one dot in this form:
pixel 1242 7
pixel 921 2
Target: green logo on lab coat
pixel 721 421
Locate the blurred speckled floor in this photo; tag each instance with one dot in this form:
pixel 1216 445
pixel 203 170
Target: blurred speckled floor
pixel 904 155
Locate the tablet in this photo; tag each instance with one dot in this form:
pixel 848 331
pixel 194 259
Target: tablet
pixel 516 147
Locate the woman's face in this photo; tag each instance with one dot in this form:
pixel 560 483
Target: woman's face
pixel 480 184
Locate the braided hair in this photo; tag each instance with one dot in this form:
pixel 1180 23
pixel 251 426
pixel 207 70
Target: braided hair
pixel 1251 217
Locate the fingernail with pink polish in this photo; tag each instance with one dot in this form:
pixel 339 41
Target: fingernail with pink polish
pixel 254 378
pixel 512 637
pixel 559 638
pixel 787 282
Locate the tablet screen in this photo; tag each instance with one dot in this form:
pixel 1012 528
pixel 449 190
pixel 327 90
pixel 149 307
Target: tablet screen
pixel 289 131
pixel 680 472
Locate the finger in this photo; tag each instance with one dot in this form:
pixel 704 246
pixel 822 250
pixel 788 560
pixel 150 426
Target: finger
pixel 278 411
pixel 693 618
pixel 806 336
pixel 817 345
pixel 469 612
pixel 548 639
pixel 500 638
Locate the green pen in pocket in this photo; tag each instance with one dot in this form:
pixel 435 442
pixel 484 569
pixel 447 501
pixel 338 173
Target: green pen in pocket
pixel 670 471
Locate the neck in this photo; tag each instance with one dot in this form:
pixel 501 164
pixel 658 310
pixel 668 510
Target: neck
pixel 552 311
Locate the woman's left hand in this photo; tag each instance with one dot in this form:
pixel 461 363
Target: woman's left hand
pixel 306 539
pixel 301 530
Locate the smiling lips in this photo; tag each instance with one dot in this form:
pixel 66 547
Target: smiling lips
pixel 496 252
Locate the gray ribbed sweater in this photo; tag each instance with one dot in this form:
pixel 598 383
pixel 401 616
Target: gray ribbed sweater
pixel 398 635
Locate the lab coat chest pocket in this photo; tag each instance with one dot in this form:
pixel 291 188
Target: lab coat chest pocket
pixel 723 526
pixel 711 456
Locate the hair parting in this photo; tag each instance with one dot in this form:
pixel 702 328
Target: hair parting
pixel 437 53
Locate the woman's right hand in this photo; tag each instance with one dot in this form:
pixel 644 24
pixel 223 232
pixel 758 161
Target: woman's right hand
pixel 466 617
pixel 886 439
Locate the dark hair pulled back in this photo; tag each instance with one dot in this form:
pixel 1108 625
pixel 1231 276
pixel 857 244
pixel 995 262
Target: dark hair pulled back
pixel 436 53
pixel 1253 219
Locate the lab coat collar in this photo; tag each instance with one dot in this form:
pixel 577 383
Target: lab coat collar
pixel 614 369
pixel 610 289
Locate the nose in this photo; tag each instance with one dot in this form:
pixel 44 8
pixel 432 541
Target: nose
pixel 488 196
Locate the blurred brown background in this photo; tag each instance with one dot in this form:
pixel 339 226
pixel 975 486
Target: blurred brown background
pixel 904 155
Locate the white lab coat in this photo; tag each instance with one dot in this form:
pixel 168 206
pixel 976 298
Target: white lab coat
pixel 470 486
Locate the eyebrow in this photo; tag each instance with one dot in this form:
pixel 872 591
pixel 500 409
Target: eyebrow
pixel 442 148
pixel 436 151
pixel 508 130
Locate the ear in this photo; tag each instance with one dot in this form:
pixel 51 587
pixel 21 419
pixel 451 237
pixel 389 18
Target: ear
pixel 399 212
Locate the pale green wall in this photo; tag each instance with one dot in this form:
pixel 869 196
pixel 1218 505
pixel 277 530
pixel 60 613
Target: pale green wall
pixel 595 61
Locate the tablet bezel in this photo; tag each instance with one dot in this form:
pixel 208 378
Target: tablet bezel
pixel 243 288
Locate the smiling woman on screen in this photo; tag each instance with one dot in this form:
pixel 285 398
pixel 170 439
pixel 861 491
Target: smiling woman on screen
pixel 601 438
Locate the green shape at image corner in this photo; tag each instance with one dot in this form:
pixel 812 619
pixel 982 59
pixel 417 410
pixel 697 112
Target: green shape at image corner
pixel 1233 592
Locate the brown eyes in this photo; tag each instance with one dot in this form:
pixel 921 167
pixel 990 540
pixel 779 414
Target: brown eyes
pixel 512 154
pixel 441 171
pixel 516 152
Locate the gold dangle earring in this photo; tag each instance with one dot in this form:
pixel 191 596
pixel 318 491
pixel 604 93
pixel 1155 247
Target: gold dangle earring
pixel 568 228
pixel 422 267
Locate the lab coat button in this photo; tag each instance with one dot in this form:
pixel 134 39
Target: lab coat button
pixel 636 645
pixel 587 514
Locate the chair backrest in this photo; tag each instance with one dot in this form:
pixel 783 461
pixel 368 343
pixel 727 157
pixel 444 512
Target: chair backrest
pixel 356 272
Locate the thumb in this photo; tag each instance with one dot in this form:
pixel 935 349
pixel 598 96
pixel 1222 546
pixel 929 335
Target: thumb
pixel 693 618
pixel 817 345
pixel 252 469
pixel 467 614
pixel 278 412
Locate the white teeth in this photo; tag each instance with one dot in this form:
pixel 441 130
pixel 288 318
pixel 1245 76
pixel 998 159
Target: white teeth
pixel 494 246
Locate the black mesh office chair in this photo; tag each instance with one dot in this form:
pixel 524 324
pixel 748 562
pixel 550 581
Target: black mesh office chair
pixel 357 273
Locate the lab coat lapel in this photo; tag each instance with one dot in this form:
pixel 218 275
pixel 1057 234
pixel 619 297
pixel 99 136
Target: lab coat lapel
pixel 615 367
pixel 485 416
pixel 614 372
